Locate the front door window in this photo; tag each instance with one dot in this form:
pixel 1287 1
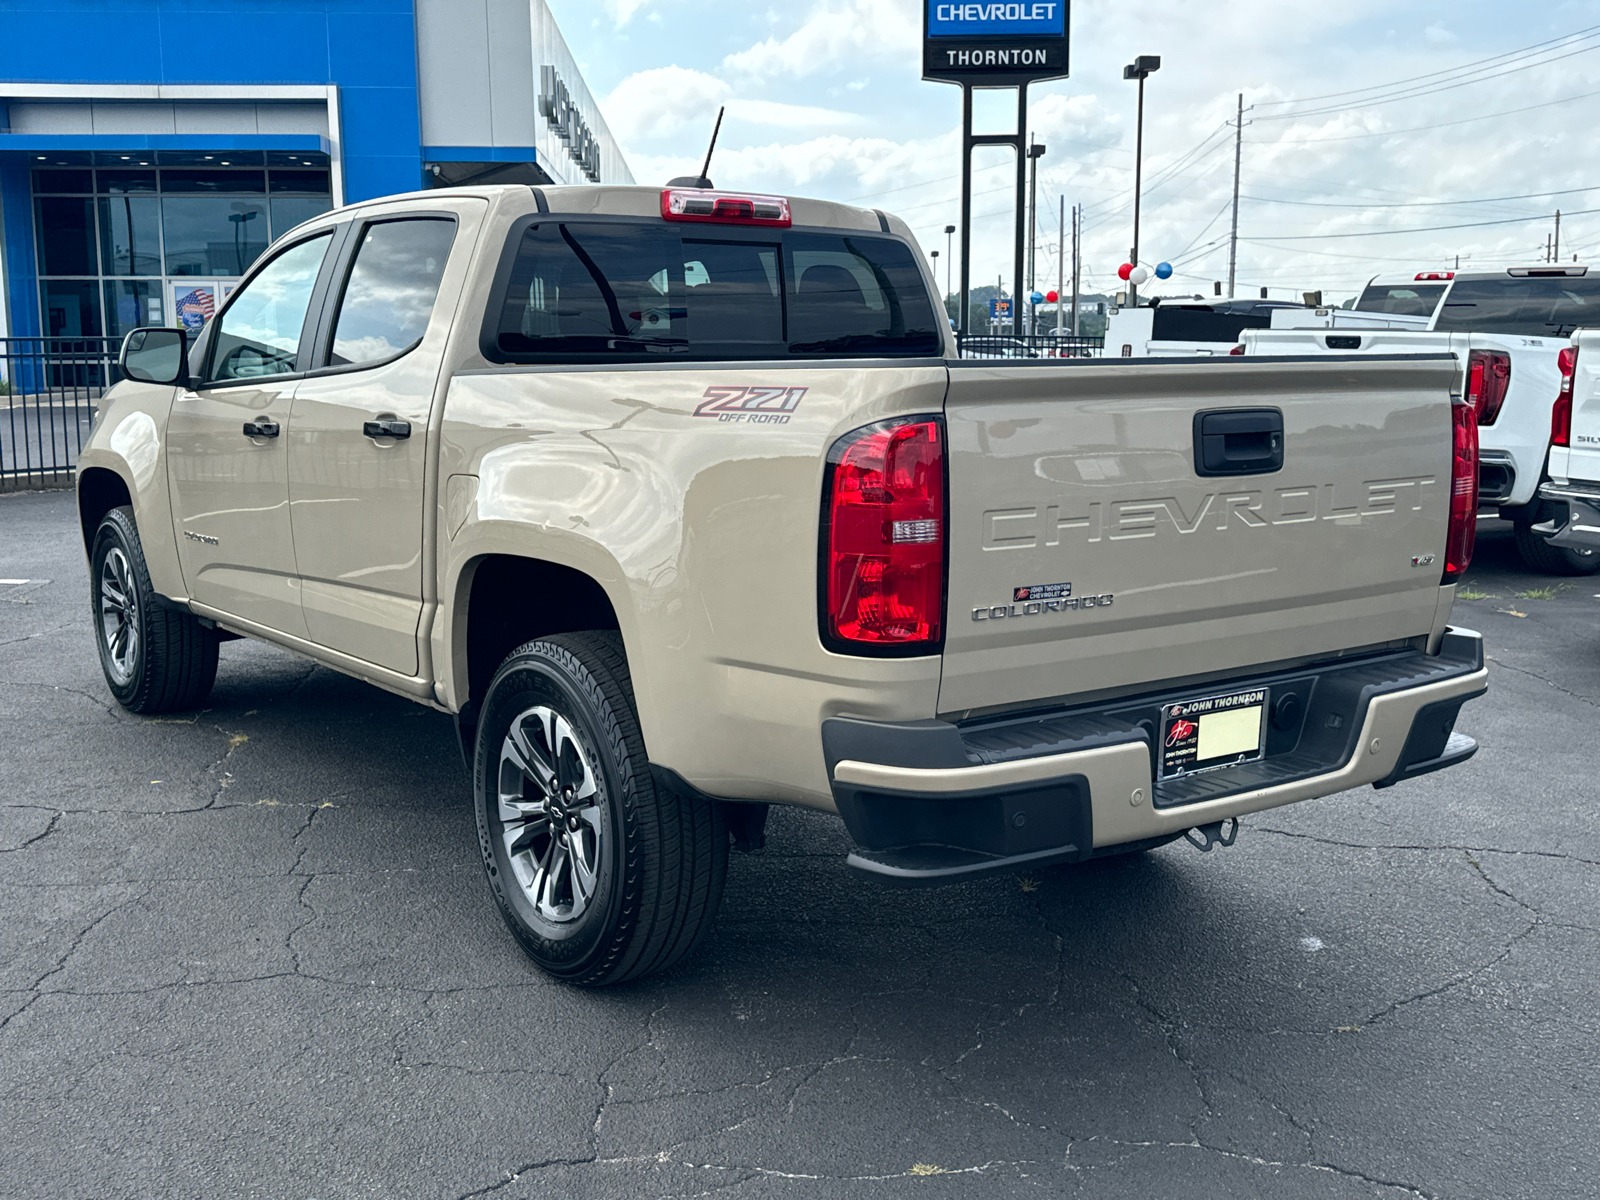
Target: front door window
pixel 259 335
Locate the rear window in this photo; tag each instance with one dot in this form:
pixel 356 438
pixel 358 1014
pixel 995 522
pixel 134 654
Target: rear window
pixel 1199 323
pixel 1402 299
pixel 616 292
pixel 1548 307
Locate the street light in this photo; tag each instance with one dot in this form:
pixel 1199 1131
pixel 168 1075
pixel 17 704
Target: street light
pixel 1035 153
pixel 949 243
pixel 1138 69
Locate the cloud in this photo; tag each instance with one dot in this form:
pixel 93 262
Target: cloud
pixel 622 11
pixel 835 34
pixel 655 104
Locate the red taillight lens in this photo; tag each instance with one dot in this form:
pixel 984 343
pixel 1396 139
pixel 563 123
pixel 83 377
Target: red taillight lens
pixel 724 208
pixel 1488 377
pixel 884 539
pixel 1561 414
pixel 1463 531
pixel 1237 350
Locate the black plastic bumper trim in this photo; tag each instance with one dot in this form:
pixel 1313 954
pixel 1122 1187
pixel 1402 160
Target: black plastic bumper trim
pixel 933 865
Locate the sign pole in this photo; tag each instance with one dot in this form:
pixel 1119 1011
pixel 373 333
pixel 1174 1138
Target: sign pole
pixel 1003 45
pixel 966 204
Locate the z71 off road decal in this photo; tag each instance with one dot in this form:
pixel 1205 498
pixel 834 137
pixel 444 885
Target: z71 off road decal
pixel 756 405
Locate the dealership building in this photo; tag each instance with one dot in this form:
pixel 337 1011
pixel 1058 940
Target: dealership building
pixel 150 150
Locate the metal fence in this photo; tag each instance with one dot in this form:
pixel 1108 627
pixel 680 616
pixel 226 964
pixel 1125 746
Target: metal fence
pixel 48 390
pixel 1028 345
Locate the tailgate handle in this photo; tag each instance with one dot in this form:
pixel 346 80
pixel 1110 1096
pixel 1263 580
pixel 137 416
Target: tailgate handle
pixel 1238 441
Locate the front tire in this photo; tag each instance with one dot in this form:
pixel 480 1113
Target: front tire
pixel 155 658
pixel 600 875
pixel 1541 556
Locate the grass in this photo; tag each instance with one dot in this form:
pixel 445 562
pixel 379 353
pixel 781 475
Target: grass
pixel 1472 594
pixel 1540 593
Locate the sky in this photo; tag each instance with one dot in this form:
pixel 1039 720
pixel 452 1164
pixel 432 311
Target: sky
pixel 1368 125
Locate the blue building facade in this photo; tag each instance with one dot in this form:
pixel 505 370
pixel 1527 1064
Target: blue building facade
pixel 151 149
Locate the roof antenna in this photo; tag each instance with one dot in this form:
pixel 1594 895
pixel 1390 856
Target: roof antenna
pixel 702 180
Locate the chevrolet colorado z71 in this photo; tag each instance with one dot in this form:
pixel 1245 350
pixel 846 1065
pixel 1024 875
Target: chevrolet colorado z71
pixel 684 504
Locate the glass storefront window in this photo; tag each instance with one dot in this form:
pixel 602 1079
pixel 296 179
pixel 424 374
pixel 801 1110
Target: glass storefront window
pixel 131 303
pixel 66 235
pixel 71 308
pixel 213 235
pixel 289 211
pixel 130 235
pixel 123 237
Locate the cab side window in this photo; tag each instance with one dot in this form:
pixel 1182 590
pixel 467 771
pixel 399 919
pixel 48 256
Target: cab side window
pixel 389 295
pixel 259 335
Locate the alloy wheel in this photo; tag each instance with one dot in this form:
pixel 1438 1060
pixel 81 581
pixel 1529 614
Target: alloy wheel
pixel 552 825
pixel 119 614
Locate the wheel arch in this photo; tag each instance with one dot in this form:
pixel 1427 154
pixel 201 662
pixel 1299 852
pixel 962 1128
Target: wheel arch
pixel 502 600
pixel 100 489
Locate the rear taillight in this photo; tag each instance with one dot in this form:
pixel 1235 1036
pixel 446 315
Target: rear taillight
pixel 1463 531
pixel 1237 350
pixel 723 208
pixel 1561 414
pixel 883 538
pixel 1488 377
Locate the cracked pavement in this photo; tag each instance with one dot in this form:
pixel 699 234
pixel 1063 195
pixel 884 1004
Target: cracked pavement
pixel 249 952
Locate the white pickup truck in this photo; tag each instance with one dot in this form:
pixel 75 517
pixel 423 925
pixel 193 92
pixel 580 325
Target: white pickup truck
pixel 684 504
pixel 1574 467
pixel 1506 328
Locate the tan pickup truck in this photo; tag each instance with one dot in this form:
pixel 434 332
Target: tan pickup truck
pixel 684 504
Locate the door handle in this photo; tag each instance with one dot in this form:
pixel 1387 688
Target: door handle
pixel 1238 441
pixel 261 427
pixel 386 427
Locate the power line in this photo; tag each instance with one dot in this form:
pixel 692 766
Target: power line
pixel 1509 54
pixel 1310 237
pixel 1416 94
pixel 1423 203
pixel 1353 137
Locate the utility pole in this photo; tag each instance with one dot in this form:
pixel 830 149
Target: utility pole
pixel 949 231
pixel 1061 261
pixel 1233 239
pixel 1077 223
pixel 1556 256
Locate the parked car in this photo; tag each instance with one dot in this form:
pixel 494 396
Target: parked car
pixel 683 504
pixel 1506 329
pixel 1187 329
pixel 1573 487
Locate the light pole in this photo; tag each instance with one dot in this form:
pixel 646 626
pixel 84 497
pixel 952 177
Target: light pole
pixel 949 230
pixel 1138 69
pixel 1035 153
pixel 934 254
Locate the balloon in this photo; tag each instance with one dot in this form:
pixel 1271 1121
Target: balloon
pixel 1036 297
pixel 1124 271
pixel 1052 296
pixel 1164 270
pixel 1138 275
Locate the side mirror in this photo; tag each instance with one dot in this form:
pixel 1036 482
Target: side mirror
pixel 155 355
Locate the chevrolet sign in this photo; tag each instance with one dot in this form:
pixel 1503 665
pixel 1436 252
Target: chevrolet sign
pixel 994 42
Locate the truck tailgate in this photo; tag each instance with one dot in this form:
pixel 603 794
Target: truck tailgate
pixel 1090 556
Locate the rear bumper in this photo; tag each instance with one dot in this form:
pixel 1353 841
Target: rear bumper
pixel 1580 530
pixel 935 802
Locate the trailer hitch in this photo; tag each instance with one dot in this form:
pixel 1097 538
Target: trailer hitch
pixel 1203 837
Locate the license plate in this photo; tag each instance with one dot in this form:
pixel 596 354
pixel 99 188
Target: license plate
pixel 1213 732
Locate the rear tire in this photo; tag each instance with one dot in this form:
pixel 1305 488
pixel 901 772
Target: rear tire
pixel 155 658
pixel 601 876
pixel 1541 556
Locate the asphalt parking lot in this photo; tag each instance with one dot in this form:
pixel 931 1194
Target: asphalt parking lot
pixel 249 952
